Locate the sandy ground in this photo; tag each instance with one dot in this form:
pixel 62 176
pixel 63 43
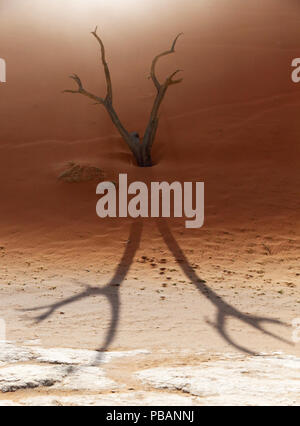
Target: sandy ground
pixel 203 300
pixel 175 298
pixel 189 319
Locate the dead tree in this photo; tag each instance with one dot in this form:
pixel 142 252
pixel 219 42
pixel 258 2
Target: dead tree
pixel 140 147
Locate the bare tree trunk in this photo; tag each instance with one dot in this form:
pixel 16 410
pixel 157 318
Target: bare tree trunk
pixel 140 148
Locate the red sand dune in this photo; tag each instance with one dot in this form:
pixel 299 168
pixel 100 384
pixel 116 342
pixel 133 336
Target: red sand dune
pixel 232 123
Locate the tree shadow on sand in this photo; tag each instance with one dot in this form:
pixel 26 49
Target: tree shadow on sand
pixel 112 292
pixel 224 310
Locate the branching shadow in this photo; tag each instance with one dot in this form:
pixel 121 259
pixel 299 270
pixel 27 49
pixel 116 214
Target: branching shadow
pixel 224 310
pixel 110 291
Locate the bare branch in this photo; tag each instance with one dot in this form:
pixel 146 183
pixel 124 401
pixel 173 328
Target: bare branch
pixel 82 91
pixel 109 95
pixel 162 89
pixel 77 80
pixel 109 108
pixel 156 59
pixel 170 80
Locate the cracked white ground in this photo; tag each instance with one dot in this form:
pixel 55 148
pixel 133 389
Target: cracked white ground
pixel 31 375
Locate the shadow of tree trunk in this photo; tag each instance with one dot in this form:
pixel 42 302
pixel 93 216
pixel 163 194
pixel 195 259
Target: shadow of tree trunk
pixel 224 310
pixel 111 291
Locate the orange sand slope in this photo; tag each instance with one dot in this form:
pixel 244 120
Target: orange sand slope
pixel 233 122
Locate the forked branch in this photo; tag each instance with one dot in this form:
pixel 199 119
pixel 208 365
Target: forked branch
pixel 84 92
pixel 162 89
pixel 169 80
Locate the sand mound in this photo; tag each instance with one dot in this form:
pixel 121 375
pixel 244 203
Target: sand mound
pixel 81 173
